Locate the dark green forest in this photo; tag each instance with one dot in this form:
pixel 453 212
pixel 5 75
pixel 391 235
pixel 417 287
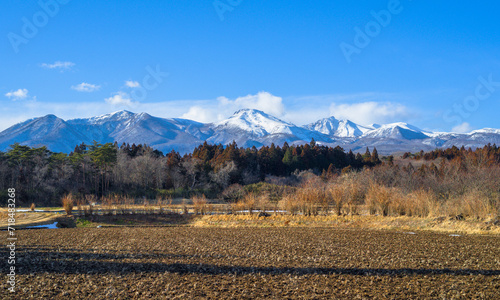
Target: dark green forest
pixel 43 177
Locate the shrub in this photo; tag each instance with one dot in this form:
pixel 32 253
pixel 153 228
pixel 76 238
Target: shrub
pixel 338 197
pixel 90 201
pixel 289 204
pixel 233 192
pixel 249 202
pixel 312 197
pixel 422 203
pixel 355 196
pixel 200 204
pixel 67 202
pixel 378 199
pixel 473 204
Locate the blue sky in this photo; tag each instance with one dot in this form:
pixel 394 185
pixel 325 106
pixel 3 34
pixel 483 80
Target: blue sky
pixel 434 65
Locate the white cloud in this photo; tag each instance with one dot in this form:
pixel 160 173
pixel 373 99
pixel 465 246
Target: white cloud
pixel 132 84
pixel 86 87
pixel 305 115
pixel 462 128
pixel 262 101
pixel 200 114
pixel 370 112
pixel 20 94
pixel 210 111
pixel 63 65
pixel 297 111
pixel 120 99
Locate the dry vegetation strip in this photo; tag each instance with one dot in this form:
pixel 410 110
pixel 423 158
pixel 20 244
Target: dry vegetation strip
pixel 254 263
pixel 439 224
pixel 28 219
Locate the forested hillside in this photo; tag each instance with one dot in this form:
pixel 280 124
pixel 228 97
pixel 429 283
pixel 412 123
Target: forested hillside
pixel 42 176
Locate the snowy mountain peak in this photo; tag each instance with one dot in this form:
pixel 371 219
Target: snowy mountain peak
pixel 338 128
pixel 117 116
pixel 255 121
pixel 45 120
pixel 399 130
pixel 486 131
pixel 248 127
pixel 253 114
pixel 248 110
pixel 49 117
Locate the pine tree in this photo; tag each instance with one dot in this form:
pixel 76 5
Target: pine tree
pixel 287 158
pixel 331 171
pixel 374 157
pixel 312 143
pixel 367 157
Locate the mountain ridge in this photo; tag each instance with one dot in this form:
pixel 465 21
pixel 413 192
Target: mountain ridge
pixel 248 127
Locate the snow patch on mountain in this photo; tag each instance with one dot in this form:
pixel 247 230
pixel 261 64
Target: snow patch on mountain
pixel 248 127
pixel 338 128
pixel 256 122
pixel 397 131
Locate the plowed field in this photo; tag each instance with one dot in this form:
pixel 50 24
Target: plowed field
pixel 252 263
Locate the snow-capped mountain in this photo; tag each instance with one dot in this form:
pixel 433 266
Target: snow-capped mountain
pixel 248 127
pixel 124 126
pixel 256 122
pixel 396 131
pixel 338 128
pixel 49 131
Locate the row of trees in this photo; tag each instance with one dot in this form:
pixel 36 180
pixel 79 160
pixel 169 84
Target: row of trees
pixel 42 176
pixel 488 153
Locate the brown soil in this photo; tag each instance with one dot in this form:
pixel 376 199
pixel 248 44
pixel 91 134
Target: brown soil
pixel 141 219
pixel 252 263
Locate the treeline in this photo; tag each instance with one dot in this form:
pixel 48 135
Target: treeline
pixel 43 177
pixel 489 153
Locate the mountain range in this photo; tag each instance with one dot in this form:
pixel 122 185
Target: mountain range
pixel 248 127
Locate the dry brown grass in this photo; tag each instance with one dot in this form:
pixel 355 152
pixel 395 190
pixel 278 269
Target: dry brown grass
pixel 67 203
pixel 164 203
pixel 249 203
pixel 313 197
pixel 379 199
pixel 338 197
pixel 473 204
pixel 398 223
pixel 421 203
pixel 200 205
pixel 289 204
pixel 355 196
